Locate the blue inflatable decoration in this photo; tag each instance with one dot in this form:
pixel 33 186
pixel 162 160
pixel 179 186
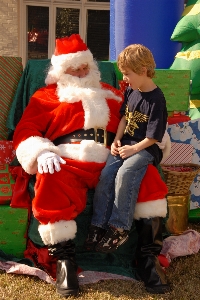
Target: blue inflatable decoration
pixel 147 22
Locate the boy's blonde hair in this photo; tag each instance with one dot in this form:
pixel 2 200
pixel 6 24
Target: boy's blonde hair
pixel 135 57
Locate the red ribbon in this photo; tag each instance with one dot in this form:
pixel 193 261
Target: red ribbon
pixel 20 194
pixel 41 258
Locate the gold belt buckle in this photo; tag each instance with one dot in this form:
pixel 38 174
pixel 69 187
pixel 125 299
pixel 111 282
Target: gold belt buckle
pixel 104 135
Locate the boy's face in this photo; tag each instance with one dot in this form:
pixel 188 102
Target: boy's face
pixel 133 79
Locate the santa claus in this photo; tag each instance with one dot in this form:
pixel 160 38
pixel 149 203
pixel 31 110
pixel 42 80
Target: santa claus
pixel 64 138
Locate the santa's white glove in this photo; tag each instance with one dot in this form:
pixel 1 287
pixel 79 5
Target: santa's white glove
pixel 48 161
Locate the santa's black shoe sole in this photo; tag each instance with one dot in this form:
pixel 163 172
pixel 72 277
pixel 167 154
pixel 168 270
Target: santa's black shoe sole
pixel 162 289
pixel 68 292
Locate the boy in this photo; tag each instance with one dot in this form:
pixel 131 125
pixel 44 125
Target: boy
pixel 142 126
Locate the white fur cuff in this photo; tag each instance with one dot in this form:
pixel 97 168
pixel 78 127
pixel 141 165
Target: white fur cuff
pixel 151 209
pixel 28 151
pixel 86 151
pixel 165 145
pixel 57 232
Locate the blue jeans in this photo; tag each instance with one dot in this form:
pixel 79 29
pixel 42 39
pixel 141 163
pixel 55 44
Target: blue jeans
pixel 117 191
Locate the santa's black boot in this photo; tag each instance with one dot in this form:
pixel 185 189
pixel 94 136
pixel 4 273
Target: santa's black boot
pixel 149 246
pixel 66 273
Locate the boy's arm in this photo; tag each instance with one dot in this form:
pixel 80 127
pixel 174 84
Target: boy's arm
pixel 144 144
pixel 128 150
pixel 117 141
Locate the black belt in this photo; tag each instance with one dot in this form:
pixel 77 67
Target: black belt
pixel 98 135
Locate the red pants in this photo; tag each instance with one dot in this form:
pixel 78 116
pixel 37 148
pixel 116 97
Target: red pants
pixel 63 195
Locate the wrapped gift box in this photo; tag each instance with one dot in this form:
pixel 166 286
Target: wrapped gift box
pixel 194 215
pixel 6 184
pixel 180 153
pixel 13 227
pixel 11 69
pixel 4 178
pixel 123 85
pixel 175 85
pixel 7 152
pixel 177 118
pixel 188 133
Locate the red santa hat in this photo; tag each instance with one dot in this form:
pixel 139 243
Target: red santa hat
pixel 71 51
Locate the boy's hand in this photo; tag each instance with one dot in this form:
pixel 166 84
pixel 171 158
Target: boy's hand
pixel 114 147
pixel 126 151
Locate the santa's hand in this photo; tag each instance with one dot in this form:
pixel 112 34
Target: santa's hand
pixel 48 162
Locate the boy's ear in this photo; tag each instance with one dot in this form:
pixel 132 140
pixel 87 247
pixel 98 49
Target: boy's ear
pixel 144 71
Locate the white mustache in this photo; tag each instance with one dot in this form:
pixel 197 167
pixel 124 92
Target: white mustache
pixel 90 80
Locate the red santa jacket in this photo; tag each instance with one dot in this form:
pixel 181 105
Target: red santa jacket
pixel 46 118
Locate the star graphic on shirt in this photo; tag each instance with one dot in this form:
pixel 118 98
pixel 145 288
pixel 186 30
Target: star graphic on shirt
pixel 132 120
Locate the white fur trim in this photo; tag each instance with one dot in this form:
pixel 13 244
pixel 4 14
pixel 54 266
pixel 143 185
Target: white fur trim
pixel 28 151
pixel 86 151
pixel 96 109
pixel 60 63
pixel 53 233
pixel 151 209
pixel 71 94
pixel 97 113
pixel 167 148
pixel 72 59
pixel 56 71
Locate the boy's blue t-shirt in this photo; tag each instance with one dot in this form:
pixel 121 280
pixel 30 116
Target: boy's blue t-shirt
pixel 146 116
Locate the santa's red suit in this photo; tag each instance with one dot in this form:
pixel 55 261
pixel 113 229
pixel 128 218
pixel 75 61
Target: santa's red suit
pixel 61 196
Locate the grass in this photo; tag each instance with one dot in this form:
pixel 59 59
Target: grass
pixel 183 275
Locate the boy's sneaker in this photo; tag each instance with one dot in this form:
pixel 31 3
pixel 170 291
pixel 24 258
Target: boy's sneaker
pixel 94 236
pixel 112 240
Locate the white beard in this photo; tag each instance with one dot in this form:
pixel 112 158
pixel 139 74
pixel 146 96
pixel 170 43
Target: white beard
pixel 90 80
pixel 71 88
pixel 88 90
